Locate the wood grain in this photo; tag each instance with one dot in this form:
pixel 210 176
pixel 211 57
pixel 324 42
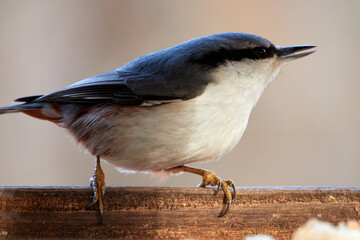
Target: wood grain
pixel 150 213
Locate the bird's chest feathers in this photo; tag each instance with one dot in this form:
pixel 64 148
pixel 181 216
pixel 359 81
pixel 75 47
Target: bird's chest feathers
pixel 222 112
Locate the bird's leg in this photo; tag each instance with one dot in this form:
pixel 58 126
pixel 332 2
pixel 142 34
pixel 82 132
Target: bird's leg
pixel 210 179
pixel 97 182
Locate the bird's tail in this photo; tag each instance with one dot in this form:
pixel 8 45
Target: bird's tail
pixel 41 110
pixel 27 105
pixel 21 107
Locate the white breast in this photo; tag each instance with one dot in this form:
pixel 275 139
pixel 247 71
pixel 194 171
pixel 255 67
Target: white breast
pixel 222 112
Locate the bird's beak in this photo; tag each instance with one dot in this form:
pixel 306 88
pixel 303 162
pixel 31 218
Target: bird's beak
pixel 291 53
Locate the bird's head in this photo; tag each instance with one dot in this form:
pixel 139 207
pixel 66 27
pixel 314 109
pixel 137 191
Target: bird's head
pixel 250 56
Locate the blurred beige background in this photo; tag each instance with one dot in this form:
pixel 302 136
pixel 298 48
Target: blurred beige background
pixel 304 130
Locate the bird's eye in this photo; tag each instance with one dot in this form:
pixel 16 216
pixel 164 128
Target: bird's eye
pixel 262 51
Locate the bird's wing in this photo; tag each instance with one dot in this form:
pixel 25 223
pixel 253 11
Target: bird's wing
pixel 124 88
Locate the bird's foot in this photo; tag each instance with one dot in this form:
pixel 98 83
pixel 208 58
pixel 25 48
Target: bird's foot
pixel 97 182
pixel 210 179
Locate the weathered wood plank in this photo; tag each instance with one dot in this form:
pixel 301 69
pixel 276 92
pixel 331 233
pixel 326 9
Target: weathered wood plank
pixel 148 213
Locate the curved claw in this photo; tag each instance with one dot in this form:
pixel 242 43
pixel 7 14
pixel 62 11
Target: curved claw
pixel 99 204
pixel 89 205
pixel 234 191
pixel 218 189
pixel 225 208
pixel 228 196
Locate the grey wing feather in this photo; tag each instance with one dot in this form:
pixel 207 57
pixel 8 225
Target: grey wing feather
pixel 108 87
pixel 124 88
pixel 27 99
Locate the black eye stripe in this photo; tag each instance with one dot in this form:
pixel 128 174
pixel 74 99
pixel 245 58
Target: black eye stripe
pixel 214 58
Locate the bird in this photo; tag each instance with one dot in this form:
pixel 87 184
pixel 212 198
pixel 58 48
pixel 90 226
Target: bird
pixel 167 109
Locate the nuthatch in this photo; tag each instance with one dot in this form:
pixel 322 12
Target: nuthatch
pixel 185 104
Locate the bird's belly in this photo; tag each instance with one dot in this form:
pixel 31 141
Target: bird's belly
pixel 161 137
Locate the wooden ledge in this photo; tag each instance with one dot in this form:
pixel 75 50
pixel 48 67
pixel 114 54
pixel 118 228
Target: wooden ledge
pixel 148 213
